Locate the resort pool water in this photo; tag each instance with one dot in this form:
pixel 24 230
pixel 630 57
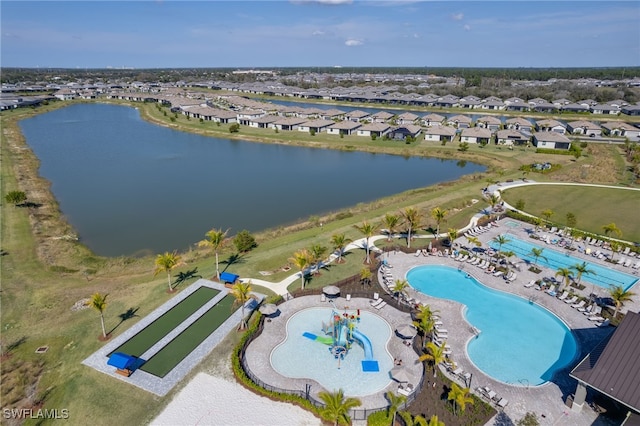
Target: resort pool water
pixel 299 357
pixel 604 277
pixel 520 343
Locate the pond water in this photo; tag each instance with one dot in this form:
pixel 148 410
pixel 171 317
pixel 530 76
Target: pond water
pixel 130 187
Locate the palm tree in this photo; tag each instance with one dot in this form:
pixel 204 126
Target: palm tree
pixel 615 248
pixel 493 201
pixel 433 421
pixel 367 229
pixel 395 401
pixel 581 269
pixel 410 420
pixel 400 287
pixel 336 407
pixel 99 303
pixel 547 213
pixel 317 255
pixel 215 239
pixel 612 228
pixel 473 240
pixel 452 234
pixel 566 276
pixel 301 259
pixel 391 222
pixel 412 220
pixel 425 326
pixel 438 215
pixel 241 291
pixel 365 275
pixel 537 253
pixel 339 242
pixel 166 263
pixel 619 296
pixel 434 355
pixel 501 240
pixel 460 397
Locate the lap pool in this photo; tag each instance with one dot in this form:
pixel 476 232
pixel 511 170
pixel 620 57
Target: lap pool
pixel 603 277
pixel 520 343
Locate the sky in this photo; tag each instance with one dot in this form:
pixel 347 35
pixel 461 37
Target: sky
pixel 314 33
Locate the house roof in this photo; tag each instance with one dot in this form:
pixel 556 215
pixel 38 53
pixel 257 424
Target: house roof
pixel 433 117
pixel 459 119
pixel 551 137
pixel 375 127
pixel 618 125
pixel 476 132
pixel 549 123
pixel 613 367
pixel 583 123
pixel 519 120
pixel 346 125
pixel 440 130
pixel 510 134
pixel 488 119
pixel 318 123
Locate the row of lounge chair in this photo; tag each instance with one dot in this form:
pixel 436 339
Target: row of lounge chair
pixel 474 232
pixel 492 397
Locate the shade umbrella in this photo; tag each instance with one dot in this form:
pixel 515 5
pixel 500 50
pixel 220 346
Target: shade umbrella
pixel 268 309
pixel 331 290
pixel 407 331
pixel 400 374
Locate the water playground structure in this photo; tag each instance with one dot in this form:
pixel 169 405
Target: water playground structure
pixel 341 333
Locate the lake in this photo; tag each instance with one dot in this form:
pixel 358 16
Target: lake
pixel 130 187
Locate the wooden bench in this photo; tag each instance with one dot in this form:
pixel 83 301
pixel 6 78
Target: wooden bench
pixel 124 372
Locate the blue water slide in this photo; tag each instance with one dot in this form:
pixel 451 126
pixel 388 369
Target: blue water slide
pixel 369 363
pixel 342 336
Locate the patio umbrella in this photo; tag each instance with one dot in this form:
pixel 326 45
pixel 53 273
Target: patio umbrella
pixel 268 309
pixel 331 290
pixel 406 330
pixel 400 374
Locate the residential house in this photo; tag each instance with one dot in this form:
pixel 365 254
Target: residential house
pixel 65 94
pixel 548 125
pixel 519 123
pixel 583 127
pixel 439 134
pixel 471 102
pixel 459 121
pixel 560 102
pixel 551 140
pixel 511 137
pixel 245 116
pixel 223 116
pixel 288 123
pixel 265 122
pixel 489 122
pixel 630 110
pixel 493 104
pixel 575 108
pixel 476 135
pixel 407 118
pixel 516 104
pixel 356 115
pixel 332 114
pixel 346 127
pixel 380 117
pixel 545 107
pixel 625 130
pixel 378 129
pixel 447 101
pixel 431 120
pixel 402 132
pixel 316 126
pixel 605 109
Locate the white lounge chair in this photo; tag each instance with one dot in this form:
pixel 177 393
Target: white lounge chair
pixel 604 323
pixel 380 305
pixel 571 301
pixel 551 291
pixel 418 253
pixel 348 297
pixel 563 295
pixel 578 305
pixel 596 318
pixel 530 284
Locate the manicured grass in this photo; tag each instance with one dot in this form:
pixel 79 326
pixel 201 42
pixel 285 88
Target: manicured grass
pixel 151 334
pixel 175 351
pixel 593 207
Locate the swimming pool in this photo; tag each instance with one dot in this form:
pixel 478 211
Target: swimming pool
pixel 604 277
pixel 300 357
pixel 520 342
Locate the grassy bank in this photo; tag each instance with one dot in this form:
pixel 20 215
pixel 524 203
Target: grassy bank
pixel 45 271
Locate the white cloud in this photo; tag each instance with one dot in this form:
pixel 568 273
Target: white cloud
pixel 318 33
pixel 457 16
pixel 467 27
pixel 353 42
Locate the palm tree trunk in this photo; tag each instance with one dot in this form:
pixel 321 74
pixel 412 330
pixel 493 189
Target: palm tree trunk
pixel 104 331
pixel 217 267
pixel 367 260
pixel 169 280
pixel 302 280
pixel 409 238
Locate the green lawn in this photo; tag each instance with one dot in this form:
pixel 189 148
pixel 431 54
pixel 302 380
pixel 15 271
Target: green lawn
pixel 151 334
pixel 593 207
pixel 168 357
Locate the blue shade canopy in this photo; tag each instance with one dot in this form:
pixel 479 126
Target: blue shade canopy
pixel 121 360
pixel 228 277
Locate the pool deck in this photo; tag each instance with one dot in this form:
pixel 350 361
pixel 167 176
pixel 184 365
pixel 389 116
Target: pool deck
pixel 258 352
pixel 162 385
pixel 547 399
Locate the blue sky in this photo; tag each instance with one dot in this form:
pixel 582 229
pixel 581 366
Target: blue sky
pixel 167 34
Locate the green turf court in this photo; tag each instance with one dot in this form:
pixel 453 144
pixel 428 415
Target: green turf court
pixel 175 351
pixel 159 328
